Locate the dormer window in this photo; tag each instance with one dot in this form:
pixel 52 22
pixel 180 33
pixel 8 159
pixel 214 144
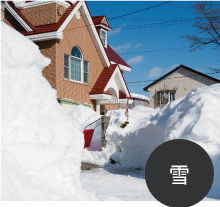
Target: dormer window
pixel 104 37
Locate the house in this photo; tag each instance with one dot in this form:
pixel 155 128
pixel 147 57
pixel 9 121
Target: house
pixel 139 100
pixel 176 84
pixel 84 69
pixel 2 10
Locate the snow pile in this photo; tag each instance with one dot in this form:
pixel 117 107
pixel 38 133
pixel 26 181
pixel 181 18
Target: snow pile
pixel 41 147
pixel 116 135
pixel 195 117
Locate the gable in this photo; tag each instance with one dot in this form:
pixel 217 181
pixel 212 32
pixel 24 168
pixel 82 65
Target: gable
pixel 110 78
pixel 104 21
pixel 193 74
pixel 18 16
pixel 55 31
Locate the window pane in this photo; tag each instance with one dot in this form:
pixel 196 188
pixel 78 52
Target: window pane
pixel 76 52
pixel 103 41
pixel 66 61
pixel 172 97
pixel 85 77
pixel 75 69
pixel 66 72
pixel 103 34
pixel 85 66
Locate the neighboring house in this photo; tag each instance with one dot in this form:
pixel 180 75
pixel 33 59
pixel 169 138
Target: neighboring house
pixel 2 10
pixel 84 69
pixel 139 100
pixel 176 84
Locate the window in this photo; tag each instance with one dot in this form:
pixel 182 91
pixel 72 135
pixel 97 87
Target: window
pixel 75 68
pixel 104 37
pixel 161 98
pixel 86 71
pixel 66 66
pixel 172 96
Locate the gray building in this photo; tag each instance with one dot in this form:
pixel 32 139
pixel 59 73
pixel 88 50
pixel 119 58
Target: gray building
pixel 176 84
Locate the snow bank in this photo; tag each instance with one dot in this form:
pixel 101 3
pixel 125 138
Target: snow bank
pixel 41 147
pixel 116 135
pixel 195 117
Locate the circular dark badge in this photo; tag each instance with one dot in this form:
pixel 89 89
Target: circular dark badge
pixel 179 173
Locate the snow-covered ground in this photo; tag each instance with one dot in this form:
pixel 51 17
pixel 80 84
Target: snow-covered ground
pixel 126 184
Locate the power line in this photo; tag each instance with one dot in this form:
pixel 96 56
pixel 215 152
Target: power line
pixel 170 78
pixel 140 10
pixel 151 25
pixel 175 48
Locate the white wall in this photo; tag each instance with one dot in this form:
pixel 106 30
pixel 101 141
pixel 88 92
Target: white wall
pixel 181 83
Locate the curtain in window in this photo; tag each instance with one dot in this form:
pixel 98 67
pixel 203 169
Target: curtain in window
pixel 75 69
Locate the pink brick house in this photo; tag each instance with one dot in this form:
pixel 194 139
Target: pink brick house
pixel 84 69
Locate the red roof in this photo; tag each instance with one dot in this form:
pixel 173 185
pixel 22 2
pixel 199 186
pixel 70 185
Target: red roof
pixel 103 79
pixel 45 28
pixel 97 20
pixel 114 57
pixel 20 14
pixel 123 96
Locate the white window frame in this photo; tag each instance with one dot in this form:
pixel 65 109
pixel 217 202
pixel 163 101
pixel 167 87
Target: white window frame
pixel 103 38
pixel 82 69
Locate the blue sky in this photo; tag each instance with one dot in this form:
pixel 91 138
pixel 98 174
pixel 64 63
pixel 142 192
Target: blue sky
pixel 158 28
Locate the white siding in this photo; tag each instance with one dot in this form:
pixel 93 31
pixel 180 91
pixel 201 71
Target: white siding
pixel 183 81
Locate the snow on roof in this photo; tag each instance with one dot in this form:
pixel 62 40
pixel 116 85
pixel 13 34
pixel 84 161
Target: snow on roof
pixel 134 95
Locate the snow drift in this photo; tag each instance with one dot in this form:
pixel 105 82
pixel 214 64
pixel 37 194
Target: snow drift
pixel 195 117
pixel 41 147
pixel 119 139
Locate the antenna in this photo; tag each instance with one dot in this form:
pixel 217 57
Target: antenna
pixel 211 67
